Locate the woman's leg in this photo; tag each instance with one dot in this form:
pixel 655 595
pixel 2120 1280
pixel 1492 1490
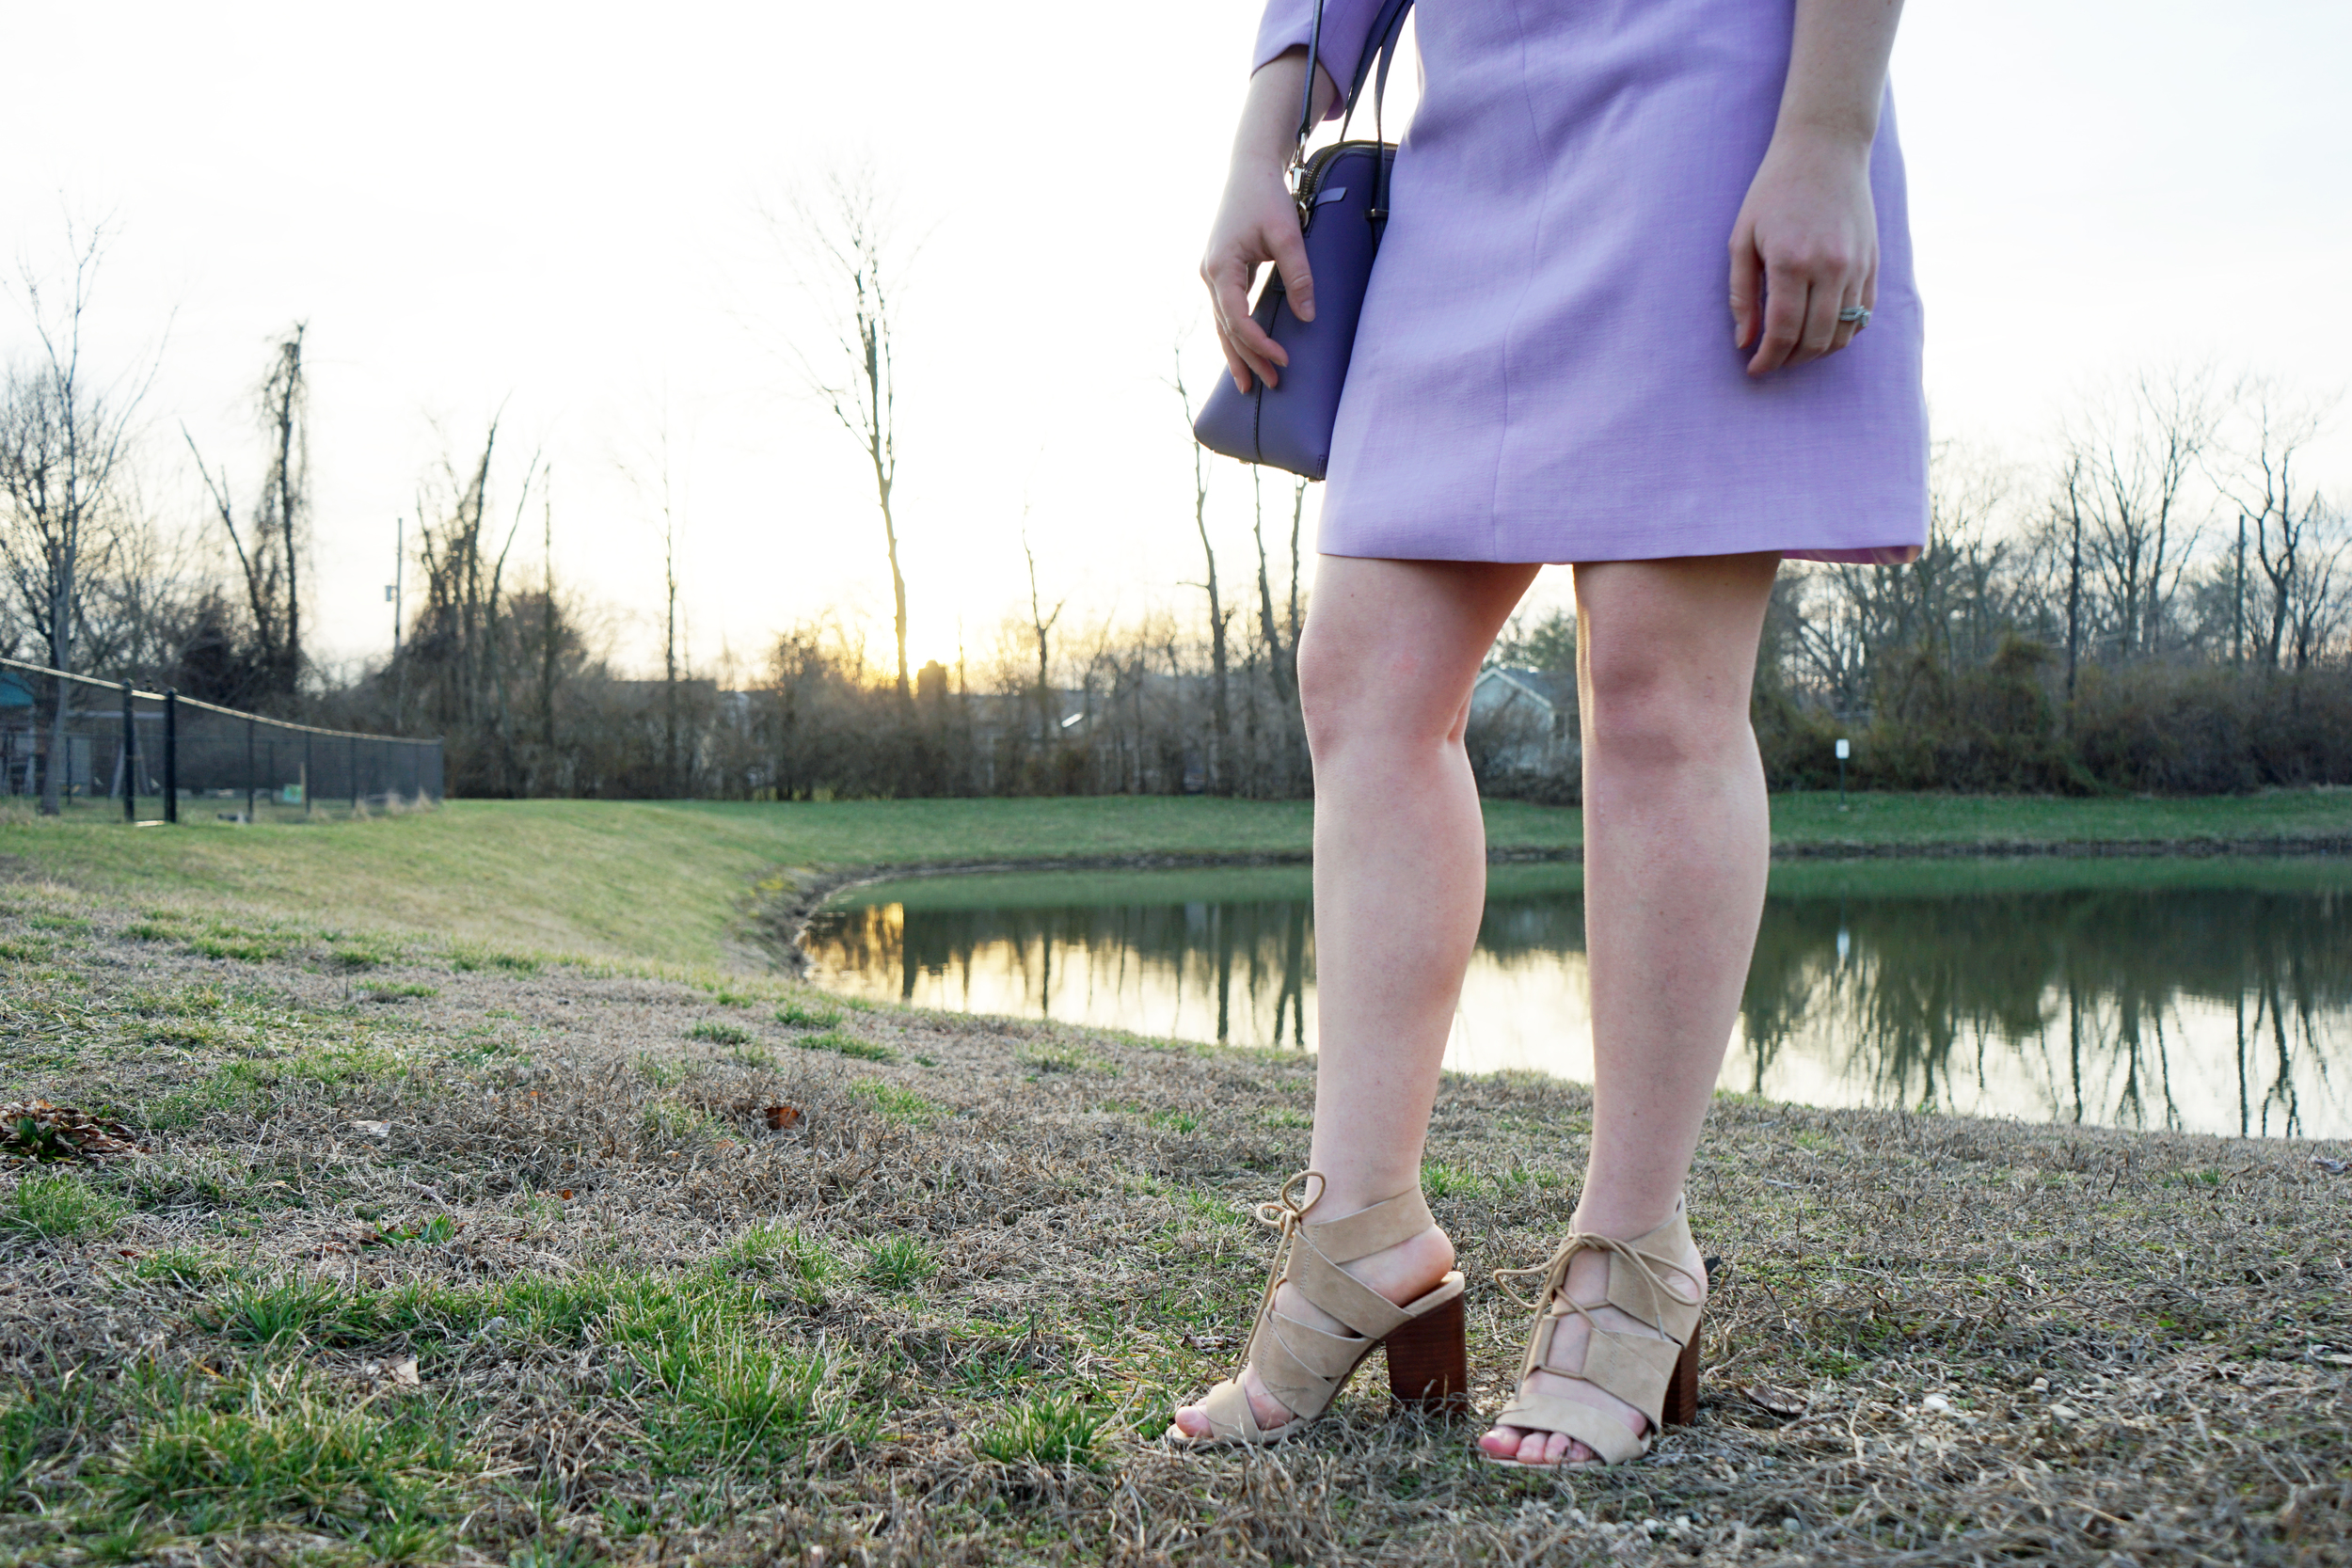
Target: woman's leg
pixel 1677 845
pixel 1385 670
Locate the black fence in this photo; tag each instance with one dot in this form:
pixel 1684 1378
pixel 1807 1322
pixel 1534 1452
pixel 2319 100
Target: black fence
pixel 83 747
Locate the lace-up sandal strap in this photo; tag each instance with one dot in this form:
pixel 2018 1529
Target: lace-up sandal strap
pixel 1597 1429
pixel 1638 1284
pixel 1303 1365
pixel 1231 1420
pixel 1369 1230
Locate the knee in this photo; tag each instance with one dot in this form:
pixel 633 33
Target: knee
pixel 1377 692
pixel 1645 708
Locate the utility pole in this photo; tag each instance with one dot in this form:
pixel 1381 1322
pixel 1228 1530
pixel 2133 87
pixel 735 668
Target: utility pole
pixel 2237 598
pixel 392 589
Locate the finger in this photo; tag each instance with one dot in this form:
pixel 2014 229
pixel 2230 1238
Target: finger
pixel 1821 322
pixel 1234 366
pixel 1848 299
pixel 1290 260
pixel 1747 280
pixel 1239 331
pixel 1785 295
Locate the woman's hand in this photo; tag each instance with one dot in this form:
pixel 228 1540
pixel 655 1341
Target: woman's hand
pixel 1258 220
pixel 1256 223
pixel 1805 246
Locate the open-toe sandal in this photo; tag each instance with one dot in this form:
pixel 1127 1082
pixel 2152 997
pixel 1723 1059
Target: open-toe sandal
pixel 1304 1367
pixel 1658 1376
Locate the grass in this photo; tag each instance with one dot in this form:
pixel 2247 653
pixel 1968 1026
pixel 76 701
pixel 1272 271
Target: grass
pixel 674 882
pixel 898 1262
pixel 841 1043
pixel 1048 1432
pixel 935 1316
pixel 397 990
pixel 60 1206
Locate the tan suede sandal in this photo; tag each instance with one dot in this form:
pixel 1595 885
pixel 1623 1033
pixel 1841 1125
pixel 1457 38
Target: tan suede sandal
pixel 1306 1368
pixel 1659 1377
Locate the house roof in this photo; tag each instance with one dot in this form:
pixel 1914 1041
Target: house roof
pixel 1553 690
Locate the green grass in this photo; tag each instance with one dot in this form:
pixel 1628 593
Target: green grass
pixel 60 1207
pixel 396 990
pixel 895 1102
pixel 898 1262
pixel 1050 1431
pixel 275 1452
pixel 843 1044
pixel 800 1017
pixel 719 1033
pixel 671 882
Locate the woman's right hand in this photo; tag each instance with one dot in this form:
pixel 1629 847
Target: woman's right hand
pixel 1256 223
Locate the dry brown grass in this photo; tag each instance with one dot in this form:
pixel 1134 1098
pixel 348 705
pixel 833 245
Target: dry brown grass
pixel 1933 1340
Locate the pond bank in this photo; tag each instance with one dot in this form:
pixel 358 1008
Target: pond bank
pixel 449 1254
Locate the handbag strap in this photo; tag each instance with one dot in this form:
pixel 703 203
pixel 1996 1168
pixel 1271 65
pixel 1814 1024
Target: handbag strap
pixel 1387 23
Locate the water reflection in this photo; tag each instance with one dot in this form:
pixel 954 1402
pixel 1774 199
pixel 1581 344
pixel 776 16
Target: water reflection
pixel 2212 996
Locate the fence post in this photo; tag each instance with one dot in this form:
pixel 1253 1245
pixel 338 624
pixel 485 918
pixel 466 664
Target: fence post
pixel 351 747
pixel 171 755
pixel 248 770
pixel 306 775
pixel 129 758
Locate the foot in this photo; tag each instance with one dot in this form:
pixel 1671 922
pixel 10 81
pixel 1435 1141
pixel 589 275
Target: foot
pixel 1403 1273
pixel 1588 1281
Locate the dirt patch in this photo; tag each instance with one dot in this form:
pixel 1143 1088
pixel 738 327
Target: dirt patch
pixel 516 1266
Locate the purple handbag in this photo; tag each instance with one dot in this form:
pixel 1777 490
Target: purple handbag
pixel 1343 196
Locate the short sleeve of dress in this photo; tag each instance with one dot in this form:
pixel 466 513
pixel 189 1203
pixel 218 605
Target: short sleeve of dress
pixel 1289 24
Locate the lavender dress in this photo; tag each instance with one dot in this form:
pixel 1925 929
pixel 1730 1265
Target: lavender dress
pixel 1544 369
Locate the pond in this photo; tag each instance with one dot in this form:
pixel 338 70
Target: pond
pixel 2210 995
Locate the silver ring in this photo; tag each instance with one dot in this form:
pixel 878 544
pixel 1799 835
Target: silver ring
pixel 1858 314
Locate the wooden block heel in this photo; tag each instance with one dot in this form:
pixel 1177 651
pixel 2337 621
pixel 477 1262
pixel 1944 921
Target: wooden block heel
pixel 1682 1389
pixel 1653 1367
pixel 1429 1361
pixel 1304 1367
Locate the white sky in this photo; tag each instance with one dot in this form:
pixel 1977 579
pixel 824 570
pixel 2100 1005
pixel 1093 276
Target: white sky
pixel 549 209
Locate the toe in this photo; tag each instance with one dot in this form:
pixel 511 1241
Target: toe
pixel 1191 1421
pixel 1532 1448
pixel 1502 1442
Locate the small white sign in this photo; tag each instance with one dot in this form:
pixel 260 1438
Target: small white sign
pixel 1845 749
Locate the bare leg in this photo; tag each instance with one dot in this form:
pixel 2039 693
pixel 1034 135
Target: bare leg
pixel 1678 840
pixel 1385 670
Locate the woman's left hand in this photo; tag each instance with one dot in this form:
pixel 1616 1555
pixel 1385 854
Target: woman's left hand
pixel 1805 246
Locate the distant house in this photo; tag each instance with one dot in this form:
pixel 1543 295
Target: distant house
pixel 1524 722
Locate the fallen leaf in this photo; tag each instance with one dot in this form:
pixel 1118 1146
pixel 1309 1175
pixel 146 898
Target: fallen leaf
pixel 36 1130
pixel 782 1116
pixel 2333 1167
pixel 1775 1402
pixel 372 1128
pixel 403 1372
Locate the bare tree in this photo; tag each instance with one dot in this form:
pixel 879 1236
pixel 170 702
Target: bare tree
pixel 2131 459
pixel 462 639
pixel 269 546
pixel 1041 627
pixel 64 444
pixel 1220 707
pixel 846 252
pixel 2264 479
pixel 1282 658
